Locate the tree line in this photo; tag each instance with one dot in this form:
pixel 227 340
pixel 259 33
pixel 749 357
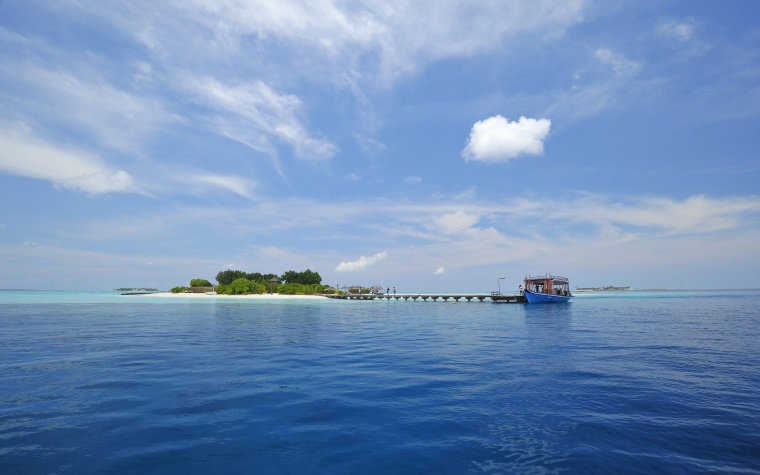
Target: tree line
pixel 238 282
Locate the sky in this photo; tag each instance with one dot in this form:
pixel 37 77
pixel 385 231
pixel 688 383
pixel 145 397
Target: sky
pixel 443 146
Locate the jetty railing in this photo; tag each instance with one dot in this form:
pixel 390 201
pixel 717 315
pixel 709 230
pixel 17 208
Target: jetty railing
pixel 495 297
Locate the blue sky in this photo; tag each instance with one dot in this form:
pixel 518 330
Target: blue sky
pixel 430 146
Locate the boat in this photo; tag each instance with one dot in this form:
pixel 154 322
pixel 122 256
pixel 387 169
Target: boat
pixel 547 289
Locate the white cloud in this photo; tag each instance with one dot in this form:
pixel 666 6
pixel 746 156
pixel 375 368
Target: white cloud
pixel 682 31
pixel 496 139
pixel 619 63
pixel 639 217
pixel 539 233
pixel 234 184
pixel 696 214
pixel 682 35
pixel 253 112
pixel 341 42
pixel 362 263
pixel 455 222
pixel 24 156
pixel 228 55
pixel 613 82
pixel 439 271
pixel 99 182
pixel 413 179
pixel 76 94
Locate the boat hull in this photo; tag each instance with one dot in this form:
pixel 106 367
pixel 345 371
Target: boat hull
pixel 538 297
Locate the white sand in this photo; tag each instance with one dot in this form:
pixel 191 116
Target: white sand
pixel 218 296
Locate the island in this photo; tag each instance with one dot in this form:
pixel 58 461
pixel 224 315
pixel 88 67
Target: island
pixel 601 289
pixel 135 289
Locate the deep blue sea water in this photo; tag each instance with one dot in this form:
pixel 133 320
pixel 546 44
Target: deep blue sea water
pixel 620 382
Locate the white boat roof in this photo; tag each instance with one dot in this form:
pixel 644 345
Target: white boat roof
pixel 541 278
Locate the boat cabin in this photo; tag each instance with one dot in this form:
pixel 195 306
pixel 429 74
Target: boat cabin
pixel 548 284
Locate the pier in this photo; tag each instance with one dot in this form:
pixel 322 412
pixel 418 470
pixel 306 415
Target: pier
pixel 494 297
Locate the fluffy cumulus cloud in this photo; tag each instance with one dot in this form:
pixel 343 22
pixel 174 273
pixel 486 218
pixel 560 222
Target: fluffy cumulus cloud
pixel 362 263
pixel 439 271
pixel 497 139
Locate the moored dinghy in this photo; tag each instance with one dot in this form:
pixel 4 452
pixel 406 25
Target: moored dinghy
pixel 547 289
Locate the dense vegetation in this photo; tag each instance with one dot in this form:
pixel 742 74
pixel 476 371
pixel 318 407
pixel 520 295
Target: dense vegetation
pixel 238 282
pixel 200 283
pixel 226 277
pixel 307 277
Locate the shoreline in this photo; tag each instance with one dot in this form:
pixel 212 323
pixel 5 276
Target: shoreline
pixel 222 296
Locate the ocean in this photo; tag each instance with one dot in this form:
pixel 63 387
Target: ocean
pixel 612 382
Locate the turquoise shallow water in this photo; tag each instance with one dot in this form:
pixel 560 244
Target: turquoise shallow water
pixel 629 382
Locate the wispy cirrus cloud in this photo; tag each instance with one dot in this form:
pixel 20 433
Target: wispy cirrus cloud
pixel 682 35
pixel 355 47
pixel 455 233
pixel 695 214
pixel 454 222
pixel 585 232
pixel 606 79
pixel 54 88
pixel 23 155
pixel 352 45
pixel 254 114
pixel 365 41
pixel 233 184
pixel 680 31
pixel 619 63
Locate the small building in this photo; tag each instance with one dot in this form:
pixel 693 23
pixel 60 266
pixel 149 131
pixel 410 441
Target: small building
pixel 201 290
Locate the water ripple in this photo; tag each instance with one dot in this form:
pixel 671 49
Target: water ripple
pixel 629 385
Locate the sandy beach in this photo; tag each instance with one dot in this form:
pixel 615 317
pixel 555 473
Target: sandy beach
pixel 220 296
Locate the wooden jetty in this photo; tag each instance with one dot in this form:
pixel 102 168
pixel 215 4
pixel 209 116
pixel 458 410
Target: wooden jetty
pixel 494 297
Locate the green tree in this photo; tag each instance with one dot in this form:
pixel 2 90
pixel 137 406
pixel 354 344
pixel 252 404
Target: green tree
pixel 258 288
pixel 200 283
pixel 310 277
pixel 227 276
pixel 306 277
pixel 290 289
pixel 240 286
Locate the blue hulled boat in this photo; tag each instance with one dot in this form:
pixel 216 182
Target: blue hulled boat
pixel 547 289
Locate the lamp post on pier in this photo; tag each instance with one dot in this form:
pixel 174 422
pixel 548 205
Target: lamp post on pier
pixel 498 283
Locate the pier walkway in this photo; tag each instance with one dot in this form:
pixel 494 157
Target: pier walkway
pixel 494 297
